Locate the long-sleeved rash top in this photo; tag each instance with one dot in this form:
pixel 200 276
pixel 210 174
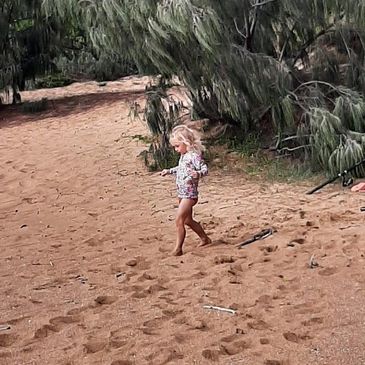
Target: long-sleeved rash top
pixel 187 186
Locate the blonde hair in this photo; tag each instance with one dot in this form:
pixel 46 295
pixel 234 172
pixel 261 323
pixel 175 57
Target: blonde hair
pixel 190 137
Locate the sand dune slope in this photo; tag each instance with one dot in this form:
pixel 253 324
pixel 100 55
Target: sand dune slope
pixel 86 233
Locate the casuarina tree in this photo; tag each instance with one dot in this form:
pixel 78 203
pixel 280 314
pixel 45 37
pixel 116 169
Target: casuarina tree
pixel 290 65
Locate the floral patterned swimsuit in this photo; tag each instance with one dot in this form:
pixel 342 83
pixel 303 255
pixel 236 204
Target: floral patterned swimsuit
pixel 187 186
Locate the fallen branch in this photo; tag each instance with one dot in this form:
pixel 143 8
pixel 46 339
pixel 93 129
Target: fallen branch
pixel 312 262
pixel 343 175
pixel 259 236
pixel 221 309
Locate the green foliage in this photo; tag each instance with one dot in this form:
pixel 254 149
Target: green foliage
pixel 246 145
pixel 106 67
pixel 159 157
pixel 347 154
pixel 253 64
pixel 351 111
pixel 161 114
pixel 27 42
pixel 248 154
pixel 144 139
pixel 338 141
pixel 33 42
pixel 53 80
pixel 280 170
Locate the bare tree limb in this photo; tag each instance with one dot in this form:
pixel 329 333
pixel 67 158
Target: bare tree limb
pixel 262 3
pixel 239 32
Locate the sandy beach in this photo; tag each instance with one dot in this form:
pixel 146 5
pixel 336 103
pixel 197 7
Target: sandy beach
pixel 86 274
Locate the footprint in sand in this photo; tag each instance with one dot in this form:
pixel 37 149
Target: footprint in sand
pixel 312 321
pixel 311 224
pixel 77 311
pixel 146 276
pixel 155 323
pixel 139 262
pixel 181 338
pixel 6 355
pixel 58 282
pixel 168 300
pixel 299 241
pixel 210 225
pixel 155 288
pixel 291 337
pixel 310 307
pixel 230 338
pixel 93 242
pixel 117 340
pixel 95 345
pixel 199 275
pixel 268 249
pixel 164 250
pixel 7 339
pixel 274 362
pixel 44 331
pixel 233 344
pixel 211 355
pixel 150 331
pixel 234 348
pixel 105 300
pixel 328 271
pixel 264 301
pixel 141 293
pixel 264 341
pixel 171 313
pixel 165 356
pixel 258 325
pixel 223 259
pixel 122 362
pixel 56 324
pixel 191 323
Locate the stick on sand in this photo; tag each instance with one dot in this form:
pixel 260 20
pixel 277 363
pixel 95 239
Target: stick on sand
pixel 221 309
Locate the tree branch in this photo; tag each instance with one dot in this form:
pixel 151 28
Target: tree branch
pixel 285 44
pixel 312 40
pixel 239 32
pixel 263 3
pixel 287 149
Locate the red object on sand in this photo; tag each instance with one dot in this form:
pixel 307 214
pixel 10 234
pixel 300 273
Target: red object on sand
pixel 360 187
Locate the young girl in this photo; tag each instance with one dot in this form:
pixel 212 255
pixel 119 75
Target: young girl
pixel 191 167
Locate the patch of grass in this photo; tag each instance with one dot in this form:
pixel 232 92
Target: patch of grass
pixel 51 81
pixel 144 139
pixel 157 158
pixel 279 170
pixel 250 158
pixel 211 154
pixel 247 154
pixel 273 169
pixel 247 146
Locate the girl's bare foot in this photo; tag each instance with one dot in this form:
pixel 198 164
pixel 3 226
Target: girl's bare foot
pixel 204 242
pixel 177 251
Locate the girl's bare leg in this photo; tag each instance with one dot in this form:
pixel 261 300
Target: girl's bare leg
pixel 183 212
pixel 185 216
pixel 197 228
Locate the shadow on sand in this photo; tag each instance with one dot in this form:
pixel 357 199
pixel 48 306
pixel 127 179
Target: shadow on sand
pixel 13 115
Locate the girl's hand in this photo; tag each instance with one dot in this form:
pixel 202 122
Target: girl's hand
pixel 194 174
pixel 164 172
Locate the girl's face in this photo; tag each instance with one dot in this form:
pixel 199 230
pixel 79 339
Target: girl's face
pixel 180 147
